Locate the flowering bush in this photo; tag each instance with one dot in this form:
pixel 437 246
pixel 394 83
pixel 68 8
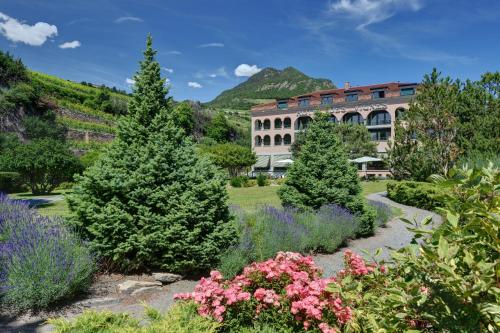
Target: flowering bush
pixel 287 289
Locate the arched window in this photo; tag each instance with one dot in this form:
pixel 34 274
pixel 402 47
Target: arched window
pixel 277 140
pixel 332 119
pixel 353 118
pixel 267 124
pixel 258 125
pixel 258 141
pixel 400 113
pixel 267 140
pixel 287 123
pixel 302 123
pixel 277 123
pixel 379 117
pixel 287 139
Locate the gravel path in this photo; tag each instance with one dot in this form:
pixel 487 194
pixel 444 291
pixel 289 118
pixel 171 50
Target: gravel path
pixel 394 235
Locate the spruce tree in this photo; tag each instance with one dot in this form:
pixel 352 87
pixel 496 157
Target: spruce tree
pixel 322 175
pixel 150 201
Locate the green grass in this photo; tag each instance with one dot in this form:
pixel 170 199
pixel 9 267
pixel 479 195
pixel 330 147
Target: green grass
pixel 374 186
pixel 248 198
pixel 59 208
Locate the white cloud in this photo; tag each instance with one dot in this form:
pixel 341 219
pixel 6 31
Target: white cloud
pixel 128 19
pixel 173 52
pixel 194 85
pixel 34 35
pixel 211 45
pixel 168 70
pixel 373 11
pixel 70 45
pixel 246 70
pixel 129 81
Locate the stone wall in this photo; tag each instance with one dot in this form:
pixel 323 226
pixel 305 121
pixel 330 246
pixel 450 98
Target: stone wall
pixel 83 116
pixel 87 136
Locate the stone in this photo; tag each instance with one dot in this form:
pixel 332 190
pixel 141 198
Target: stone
pixel 130 286
pixel 144 289
pixel 94 302
pixel 166 278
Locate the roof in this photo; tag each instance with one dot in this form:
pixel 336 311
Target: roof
pixel 282 160
pixel 262 161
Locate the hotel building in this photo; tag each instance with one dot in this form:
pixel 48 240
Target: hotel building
pixel 275 124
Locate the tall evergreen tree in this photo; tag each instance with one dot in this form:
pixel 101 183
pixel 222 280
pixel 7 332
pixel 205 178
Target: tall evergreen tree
pixel 322 175
pixel 150 202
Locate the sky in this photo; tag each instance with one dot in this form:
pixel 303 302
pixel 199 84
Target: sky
pixel 205 47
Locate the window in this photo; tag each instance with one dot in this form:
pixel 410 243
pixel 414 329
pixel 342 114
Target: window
pixel 407 91
pixel 332 119
pixel 282 104
pixel 382 134
pixel 258 125
pixel 277 123
pixel 258 141
pixel 277 140
pixel 400 113
pixel 380 117
pixel 353 118
pixel 303 102
pixel 302 123
pixel 287 139
pixel 327 100
pixel 351 97
pixel 267 140
pixel 287 123
pixel 267 124
pixel 378 94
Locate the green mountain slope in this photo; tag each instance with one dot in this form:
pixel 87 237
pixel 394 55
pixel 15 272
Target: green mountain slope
pixel 267 85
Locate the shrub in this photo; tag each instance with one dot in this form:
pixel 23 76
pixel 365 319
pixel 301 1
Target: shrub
pixel 150 201
pixel 42 261
pixel 11 182
pixel 270 230
pixel 232 157
pixel 262 180
pixel 384 212
pixel 416 194
pixel 239 181
pixel 322 175
pixel 181 318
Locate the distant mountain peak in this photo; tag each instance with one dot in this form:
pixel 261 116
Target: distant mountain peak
pixel 268 84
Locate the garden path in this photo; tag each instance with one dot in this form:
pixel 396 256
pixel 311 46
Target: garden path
pixel 393 235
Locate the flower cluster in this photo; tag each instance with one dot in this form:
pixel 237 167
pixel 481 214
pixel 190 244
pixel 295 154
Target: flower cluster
pixel 288 283
pixel 356 265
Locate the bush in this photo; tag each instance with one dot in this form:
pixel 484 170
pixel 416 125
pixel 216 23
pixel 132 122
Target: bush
pixel 42 261
pixel 322 175
pixel 269 230
pixel 384 212
pixel 416 194
pixel 150 201
pixel 239 181
pixel 262 180
pixel 11 182
pixel 181 318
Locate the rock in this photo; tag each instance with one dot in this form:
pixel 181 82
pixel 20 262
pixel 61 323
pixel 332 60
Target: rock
pixel 144 289
pixel 166 278
pixel 129 286
pixel 94 302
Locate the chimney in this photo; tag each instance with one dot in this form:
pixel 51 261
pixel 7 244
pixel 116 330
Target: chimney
pixel 347 85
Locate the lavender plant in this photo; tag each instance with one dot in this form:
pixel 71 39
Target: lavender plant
pixel 42 261
pixel 384 212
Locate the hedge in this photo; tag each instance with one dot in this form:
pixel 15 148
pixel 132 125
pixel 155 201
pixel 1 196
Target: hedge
pixel 11 182
pixel 416 194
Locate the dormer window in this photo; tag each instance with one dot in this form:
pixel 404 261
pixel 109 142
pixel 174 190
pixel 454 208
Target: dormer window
pixel 408 91
pixel 304 102
pixel 326 99
pixel 282 104
pixel 378 94
pixel 351 97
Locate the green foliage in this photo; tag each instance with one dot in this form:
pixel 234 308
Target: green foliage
pixel 85 125
pixel 90 158
pixel 416 194
pixel 262 180
pixel 12 71
pixel 269 84
pixel 446 120
pixel 11 182
pixel 239 181
pixel 21 94
pixel 181 318
pixel 322 175
pixel 234 158
pixel 43 126
pixel 43 164
pixel 355 138
pixel 219 128
pixel 182 115
pixel 150 201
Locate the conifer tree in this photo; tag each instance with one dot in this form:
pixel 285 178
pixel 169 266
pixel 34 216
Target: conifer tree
pixel 322 175
pixel 150 201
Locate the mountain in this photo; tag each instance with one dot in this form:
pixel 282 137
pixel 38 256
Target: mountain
pixel 268 84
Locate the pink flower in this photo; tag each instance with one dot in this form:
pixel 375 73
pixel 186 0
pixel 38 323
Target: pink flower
pixel 424 290
pixel 325 328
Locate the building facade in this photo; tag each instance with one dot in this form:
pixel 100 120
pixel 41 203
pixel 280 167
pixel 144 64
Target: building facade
pixel 275 125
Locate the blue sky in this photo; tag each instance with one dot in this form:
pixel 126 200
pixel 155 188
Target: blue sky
pixel 201 43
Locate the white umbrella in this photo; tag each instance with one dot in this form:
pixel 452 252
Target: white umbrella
pixel 366 159
pixel 286 161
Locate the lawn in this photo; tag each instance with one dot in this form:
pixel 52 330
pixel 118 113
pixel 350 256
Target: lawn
pixel 246 197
